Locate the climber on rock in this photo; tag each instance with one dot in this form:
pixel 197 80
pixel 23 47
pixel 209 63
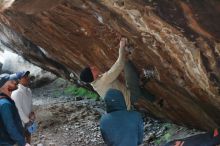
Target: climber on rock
pixel 103 82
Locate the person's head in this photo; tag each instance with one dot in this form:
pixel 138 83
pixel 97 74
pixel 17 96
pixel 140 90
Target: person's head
pixel 8 83
pixel 89 74
pixel 24 78
pixel 114 100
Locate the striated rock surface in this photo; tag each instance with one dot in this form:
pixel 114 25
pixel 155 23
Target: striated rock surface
pixel 179 37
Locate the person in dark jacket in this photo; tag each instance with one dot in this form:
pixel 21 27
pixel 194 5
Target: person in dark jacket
pixel 206 139
pixel 120 127
pixel 11 129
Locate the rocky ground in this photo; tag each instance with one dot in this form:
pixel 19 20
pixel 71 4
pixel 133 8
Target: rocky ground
pixel 65 120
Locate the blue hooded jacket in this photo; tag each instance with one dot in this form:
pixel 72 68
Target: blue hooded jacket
pixel 11 129
pixel 120 127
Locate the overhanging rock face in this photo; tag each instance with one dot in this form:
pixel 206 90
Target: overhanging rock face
pixel 180 38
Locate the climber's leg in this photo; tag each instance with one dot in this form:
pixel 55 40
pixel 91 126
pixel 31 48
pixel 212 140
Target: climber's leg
pixel 133 84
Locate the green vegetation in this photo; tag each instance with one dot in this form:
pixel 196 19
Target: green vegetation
pixel 63 87
pixel 80 91
pixel 167 136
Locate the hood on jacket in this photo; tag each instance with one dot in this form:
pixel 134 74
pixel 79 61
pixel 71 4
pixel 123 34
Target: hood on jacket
pixel 114 100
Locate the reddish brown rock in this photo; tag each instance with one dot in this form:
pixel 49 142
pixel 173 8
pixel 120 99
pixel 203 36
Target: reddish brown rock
pixel 180 38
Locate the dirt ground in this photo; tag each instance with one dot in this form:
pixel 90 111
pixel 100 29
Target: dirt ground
pixel 69 121
pixel 68 124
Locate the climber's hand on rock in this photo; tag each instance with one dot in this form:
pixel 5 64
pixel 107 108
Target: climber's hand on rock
pixel 123 42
